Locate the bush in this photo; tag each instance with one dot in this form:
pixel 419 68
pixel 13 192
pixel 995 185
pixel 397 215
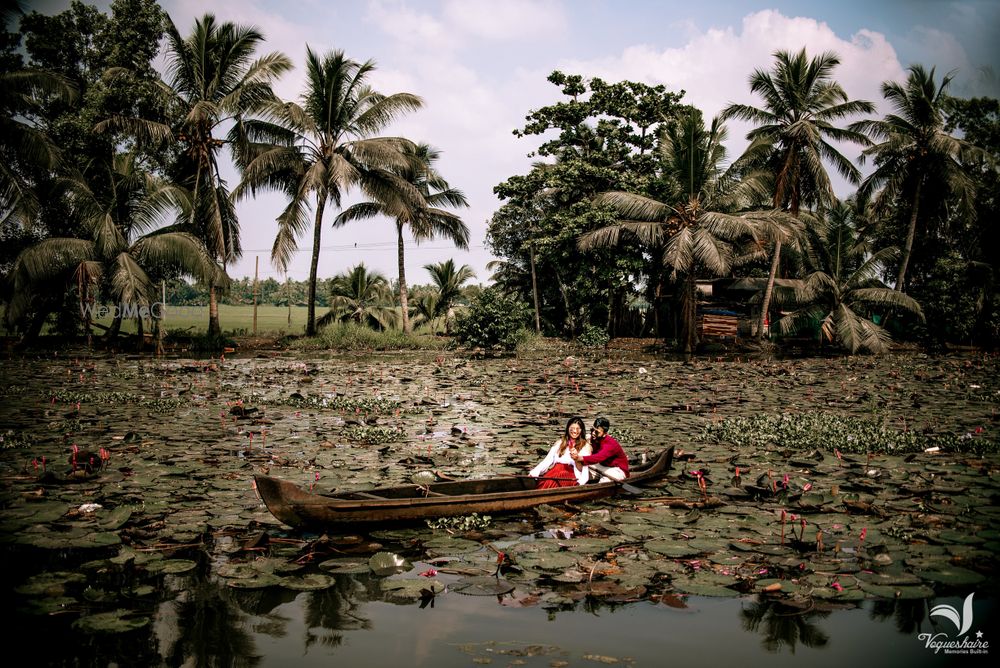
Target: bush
pixel 494 321
pixel 593 337
pixel 352 336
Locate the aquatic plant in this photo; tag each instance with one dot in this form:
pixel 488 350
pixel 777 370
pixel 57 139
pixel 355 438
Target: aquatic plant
pixel 473 522
pixel 804 431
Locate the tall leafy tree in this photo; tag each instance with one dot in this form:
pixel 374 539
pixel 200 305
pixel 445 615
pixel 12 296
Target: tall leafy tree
pixel 917 162
pixel 693 228
pixel 802 102
pixel 360 296
pixel 214 81
pixel 321 148
pixel 424 216
pixel 599 137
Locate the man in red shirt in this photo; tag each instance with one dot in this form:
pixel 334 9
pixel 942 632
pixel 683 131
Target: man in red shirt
pixel 608 459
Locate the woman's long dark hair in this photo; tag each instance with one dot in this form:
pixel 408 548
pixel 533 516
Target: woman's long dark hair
pixel 566 440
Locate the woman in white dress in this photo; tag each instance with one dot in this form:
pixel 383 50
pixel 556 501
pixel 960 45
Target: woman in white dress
pixel 559 469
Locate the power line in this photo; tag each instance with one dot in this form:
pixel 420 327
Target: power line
pixel 374 246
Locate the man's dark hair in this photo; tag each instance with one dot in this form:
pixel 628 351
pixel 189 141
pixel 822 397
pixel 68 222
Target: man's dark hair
pixel 603 423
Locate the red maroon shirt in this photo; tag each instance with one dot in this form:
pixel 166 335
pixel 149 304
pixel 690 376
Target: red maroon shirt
pixel 608 453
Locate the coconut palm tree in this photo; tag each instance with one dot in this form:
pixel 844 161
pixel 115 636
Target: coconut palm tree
pixel 424 216
pixel 690 228
pixel 213 81
pixel 127 243
pixel 790 142
pixel 843 291
pixel 424 305
pixel 915 158
pixel 322 148
pixel 25 147
pixel 360 296
pixel 448 279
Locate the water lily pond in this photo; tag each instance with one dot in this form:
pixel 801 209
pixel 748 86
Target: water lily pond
pixel 821 510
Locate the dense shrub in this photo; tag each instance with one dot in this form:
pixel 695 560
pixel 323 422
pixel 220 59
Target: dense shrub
pixel 352 336
pixel 494 321
pixel 593 337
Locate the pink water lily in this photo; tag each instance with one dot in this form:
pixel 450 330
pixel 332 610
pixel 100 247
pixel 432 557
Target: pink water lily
pixel 837 586
pixel 429 573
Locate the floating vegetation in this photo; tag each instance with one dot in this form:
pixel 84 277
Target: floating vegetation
pixel 761 507
pixel 804 431
pixel 15 439
pixel 368 405
pixel 461 523
pixel 374 434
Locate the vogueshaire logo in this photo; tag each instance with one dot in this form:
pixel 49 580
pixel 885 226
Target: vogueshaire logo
pixel 960 643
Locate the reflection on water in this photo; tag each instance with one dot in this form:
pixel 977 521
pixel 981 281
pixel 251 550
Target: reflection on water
pixel 200 621
pixel 783 626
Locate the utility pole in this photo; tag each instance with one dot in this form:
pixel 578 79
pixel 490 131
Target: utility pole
pixel 159 321
pixel 256 271
pixel 288 294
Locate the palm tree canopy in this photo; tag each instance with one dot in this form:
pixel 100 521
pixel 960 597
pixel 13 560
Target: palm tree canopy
pixel 794 127
pixel 912 143
pixel 361 296
pixel 843 291
pixel 325 145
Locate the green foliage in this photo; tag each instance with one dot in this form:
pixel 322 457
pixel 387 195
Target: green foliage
pixel 806 431
pixel 461 523
pixel 605 133
pixel 374 434
pixel 367 405
pixel 952 298
pixel 351 336
pixel 593 337
pixel 494 321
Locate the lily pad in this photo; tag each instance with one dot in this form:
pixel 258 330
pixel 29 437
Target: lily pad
pixel 172 566
pixel 117 621
pixel 50 584
pixel 257 581
pixel 345 565
pixel 672 548
pixel 690 586
pixel 907 592
pixel 481 586
pixel 308 582
pixel 387 563
pixel 411 588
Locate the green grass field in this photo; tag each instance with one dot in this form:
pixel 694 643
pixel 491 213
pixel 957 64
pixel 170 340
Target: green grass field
pixel 233 319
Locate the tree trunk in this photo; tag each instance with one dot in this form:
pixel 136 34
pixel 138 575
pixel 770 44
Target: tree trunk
pixel 404 301
pixel 689 315
pixel 570 322
pixel 534 289
pixel 214 328
pixel 313 266
pixel 910 234
pixel 769 288
pixel 112 333
pixel 140 334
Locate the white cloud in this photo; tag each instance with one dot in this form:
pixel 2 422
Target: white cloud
pixel 714 67
pixel 508 20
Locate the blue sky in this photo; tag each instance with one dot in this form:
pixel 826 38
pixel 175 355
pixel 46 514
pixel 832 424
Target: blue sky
pixel 480 66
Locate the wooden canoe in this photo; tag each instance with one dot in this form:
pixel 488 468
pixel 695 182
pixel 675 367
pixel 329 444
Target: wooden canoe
pixel 301 508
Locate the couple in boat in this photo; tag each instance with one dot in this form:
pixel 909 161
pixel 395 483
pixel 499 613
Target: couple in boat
pixel 574 459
